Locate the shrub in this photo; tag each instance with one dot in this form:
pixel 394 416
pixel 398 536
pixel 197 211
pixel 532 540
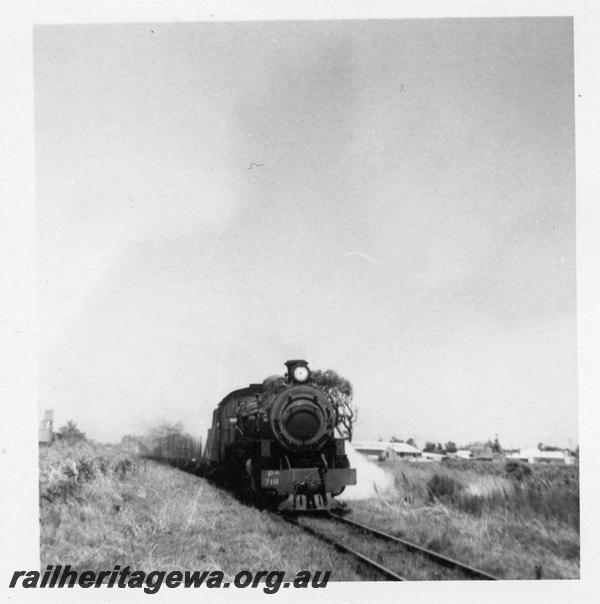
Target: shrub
pixel 443 488
pixel 517 470
pixel 70 433
pixel 65 467
pixel 472 504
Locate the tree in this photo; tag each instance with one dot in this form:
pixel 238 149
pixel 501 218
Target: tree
pixel 451 447
pixel 272 385
pixel 134 444
pixel 165 428
pixel 153 436
pixel 411 441
pixel 439 448
pixel 393 439
pixel 496 447
pixel 339 389
pixel 70 433
pixel 429 447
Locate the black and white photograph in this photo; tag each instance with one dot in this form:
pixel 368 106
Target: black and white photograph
pixel 306 304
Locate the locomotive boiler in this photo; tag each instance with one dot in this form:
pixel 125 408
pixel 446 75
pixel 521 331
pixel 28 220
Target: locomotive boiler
pixel 276 443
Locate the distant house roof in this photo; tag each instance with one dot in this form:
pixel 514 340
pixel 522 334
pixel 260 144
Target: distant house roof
pixel 380 446
pixel 434 456
pixel 464 453
pixel 405 448
pixel 536 453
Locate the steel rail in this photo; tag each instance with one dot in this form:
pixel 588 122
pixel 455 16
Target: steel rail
pixel 435 556
pixel 390 574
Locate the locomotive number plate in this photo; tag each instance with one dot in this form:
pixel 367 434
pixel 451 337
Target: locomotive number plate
pixel 271 479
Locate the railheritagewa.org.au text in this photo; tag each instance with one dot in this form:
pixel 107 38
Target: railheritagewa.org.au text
pixel 270 581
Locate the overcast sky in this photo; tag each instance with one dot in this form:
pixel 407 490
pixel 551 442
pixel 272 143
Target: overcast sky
pixel 390 199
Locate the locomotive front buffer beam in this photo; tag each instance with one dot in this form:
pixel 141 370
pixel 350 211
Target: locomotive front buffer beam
pixel 311 489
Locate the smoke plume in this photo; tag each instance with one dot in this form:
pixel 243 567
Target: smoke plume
pixel 370 478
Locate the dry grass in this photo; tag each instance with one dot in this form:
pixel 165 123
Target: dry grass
pixel 482 516
pixel 155 517
pixel 101 506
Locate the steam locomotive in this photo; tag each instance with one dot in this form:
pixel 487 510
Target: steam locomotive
pixel 273 443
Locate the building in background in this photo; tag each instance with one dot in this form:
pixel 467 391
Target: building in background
pixel 46 434
pixel 535 455
pixel 381 450
pixel 431 456
pixel 464 454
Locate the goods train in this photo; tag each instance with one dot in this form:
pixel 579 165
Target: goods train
pixel 274 443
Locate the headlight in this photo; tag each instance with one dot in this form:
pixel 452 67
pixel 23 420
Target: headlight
pixel 301 374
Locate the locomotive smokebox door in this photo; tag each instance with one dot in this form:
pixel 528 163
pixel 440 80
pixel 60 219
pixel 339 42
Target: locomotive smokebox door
pixel 297 372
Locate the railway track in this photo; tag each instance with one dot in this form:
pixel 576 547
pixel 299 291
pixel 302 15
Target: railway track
pixel 386 572
pixel 404 560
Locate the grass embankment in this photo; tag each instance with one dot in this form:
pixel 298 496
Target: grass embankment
pixel 507 523
pixel 101 506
